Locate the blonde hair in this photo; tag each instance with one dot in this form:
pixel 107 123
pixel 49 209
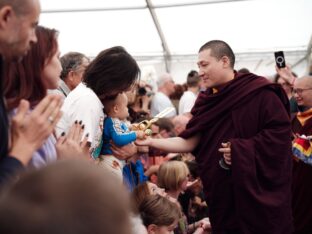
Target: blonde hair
pixel 158 210
pixel 171 174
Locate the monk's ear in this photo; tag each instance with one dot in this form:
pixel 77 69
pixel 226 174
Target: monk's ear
pixel 6 13
pixel 226 62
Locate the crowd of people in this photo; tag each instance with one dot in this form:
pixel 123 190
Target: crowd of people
pixel 83 149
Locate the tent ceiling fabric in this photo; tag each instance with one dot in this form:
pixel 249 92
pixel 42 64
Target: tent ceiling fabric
pixel 83 4
pixel 255 27
pixel 91 32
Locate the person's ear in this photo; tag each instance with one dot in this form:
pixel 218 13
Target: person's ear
pixel 72 75
pixel 6 13
pixel 226 62
pixel 152 229
pixel 116 108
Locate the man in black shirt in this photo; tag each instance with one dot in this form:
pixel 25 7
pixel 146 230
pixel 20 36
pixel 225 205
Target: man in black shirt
pixel 18 20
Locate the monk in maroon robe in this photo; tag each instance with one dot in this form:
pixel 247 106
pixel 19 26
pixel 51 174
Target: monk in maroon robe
pixel 302 172
pixel 302 181
pixel 252 114
pixel 254 196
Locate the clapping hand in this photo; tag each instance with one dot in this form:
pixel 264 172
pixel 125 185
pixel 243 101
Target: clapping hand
pixel 30 129
pixel 71 146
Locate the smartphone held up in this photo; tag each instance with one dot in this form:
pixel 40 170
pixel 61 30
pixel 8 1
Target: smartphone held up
pixel 280 59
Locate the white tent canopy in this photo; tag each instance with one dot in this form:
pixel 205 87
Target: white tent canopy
pixel 166 34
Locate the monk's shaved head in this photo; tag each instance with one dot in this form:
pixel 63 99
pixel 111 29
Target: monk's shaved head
pixel 304 82
pixel 302 91
pixel 219 49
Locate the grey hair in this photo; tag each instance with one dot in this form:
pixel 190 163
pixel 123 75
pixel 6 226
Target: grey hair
pixel 71 62
pixel 163 79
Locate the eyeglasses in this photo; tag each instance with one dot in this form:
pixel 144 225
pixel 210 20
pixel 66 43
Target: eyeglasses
pixel 299 91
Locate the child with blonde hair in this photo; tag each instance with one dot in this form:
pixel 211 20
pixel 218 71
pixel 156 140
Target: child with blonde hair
pixel 173 177
pixel 159 215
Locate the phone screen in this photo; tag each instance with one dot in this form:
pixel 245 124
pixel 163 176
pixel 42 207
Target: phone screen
pixel 280 59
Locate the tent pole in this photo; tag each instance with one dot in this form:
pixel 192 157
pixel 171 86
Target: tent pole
pixel 309 57
pixel 167 55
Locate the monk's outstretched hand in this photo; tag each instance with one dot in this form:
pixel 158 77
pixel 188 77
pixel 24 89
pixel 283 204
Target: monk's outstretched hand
pixel 144 142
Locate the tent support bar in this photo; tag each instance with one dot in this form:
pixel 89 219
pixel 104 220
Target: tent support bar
pixel 258 64
pixel 127 8
pixel 309 56
pixel 299 61
pixel 167 56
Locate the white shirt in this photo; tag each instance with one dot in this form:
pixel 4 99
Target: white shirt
pixel 83 104
pixel 62 89
pixel 187 102
pixel 160 102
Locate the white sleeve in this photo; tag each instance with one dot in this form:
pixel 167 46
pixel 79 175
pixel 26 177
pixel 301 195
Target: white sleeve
pixel 84 109
pixel 90 114
pixel 188 104
pixel 160 103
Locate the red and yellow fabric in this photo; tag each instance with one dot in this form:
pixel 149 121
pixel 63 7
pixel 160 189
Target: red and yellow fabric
pixel 302 149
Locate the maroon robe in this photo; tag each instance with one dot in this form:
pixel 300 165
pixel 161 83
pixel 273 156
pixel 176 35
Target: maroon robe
pixel 255 195
pixel 302 185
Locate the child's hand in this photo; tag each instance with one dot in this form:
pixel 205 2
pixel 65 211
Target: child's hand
pixel 140 135
pixel 134 127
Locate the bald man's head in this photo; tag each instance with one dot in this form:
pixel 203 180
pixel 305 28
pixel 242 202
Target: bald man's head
pixel 18 20
pixel 302 91
pixel 20 7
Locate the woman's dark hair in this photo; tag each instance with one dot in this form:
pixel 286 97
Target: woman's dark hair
pixel 192 79
pixel 178 92
pixel 138 194
pixel 277 76
pixel 23 79
pixel 113 71
pixel 193 168
pixel 165 124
